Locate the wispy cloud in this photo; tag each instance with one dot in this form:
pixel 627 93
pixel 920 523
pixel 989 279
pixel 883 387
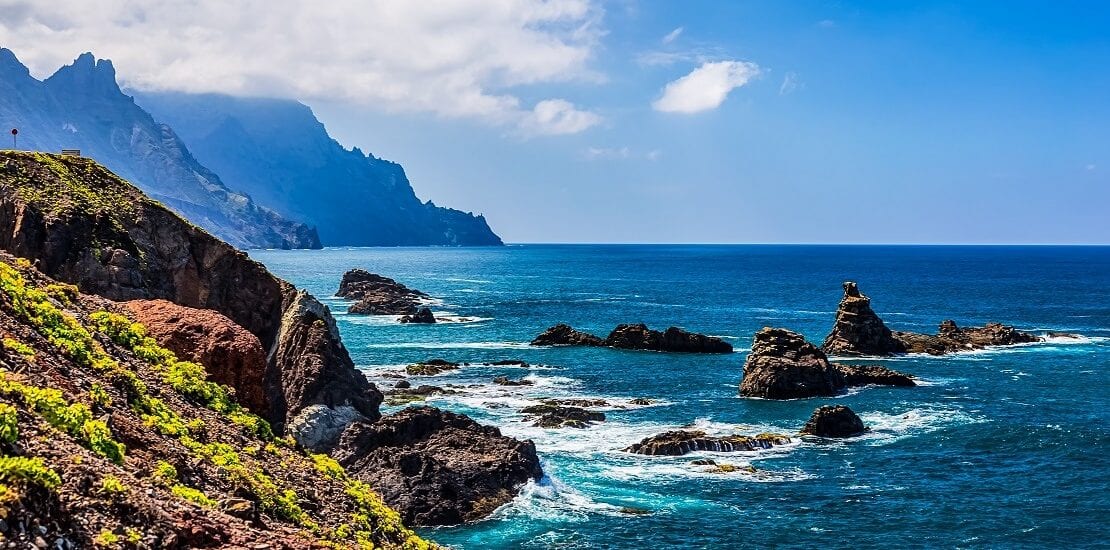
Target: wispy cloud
pixel 826 23
pixel 790 83
pixel 619 153
pixel 673 35
pixel 706 87
pixel 557 117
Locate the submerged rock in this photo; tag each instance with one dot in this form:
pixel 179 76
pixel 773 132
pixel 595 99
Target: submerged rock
pixel 680 442
pixel 564 335
pixel 422 316
pixel 436 467
pixel 782 365
pixel 858 330
pixel 378 295
pixel 640 337
pixel 556 416
pixel 506 381
pixel 834 421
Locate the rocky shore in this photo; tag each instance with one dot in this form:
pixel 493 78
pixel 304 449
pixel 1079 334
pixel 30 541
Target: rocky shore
pixel 858 330
pixel 635 337
pixel 378 295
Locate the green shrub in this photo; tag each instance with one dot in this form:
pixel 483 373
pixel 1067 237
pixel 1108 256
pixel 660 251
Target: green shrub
pixel 99 396
pixel 23 350
pixel 192 495
pixel 165 471
pixel 111 485
pixel 20 470
pixel 74 419
pixel 9 424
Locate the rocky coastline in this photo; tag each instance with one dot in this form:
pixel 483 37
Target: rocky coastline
pixel 635 337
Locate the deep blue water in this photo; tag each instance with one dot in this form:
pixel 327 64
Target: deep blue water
pixel 997 448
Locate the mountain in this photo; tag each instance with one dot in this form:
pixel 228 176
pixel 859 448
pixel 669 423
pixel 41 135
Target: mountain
pixel 81 107
pixel 281 154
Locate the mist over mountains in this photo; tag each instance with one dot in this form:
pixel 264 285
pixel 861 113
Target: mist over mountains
pixel 258 173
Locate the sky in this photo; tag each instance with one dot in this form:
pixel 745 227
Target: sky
pixel 658 121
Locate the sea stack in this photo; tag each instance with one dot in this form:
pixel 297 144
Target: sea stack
pixel 783 365
pixel 834 421
pixel 858 330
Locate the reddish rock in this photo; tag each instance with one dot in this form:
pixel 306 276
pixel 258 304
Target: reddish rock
pixel 231 354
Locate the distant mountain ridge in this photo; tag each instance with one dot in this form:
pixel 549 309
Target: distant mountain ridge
pixel 81 107
pixel 280 153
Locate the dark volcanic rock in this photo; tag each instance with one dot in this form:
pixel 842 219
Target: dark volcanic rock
pixel 833 421
pixel 864 375
pixel 951 338
pixel 564 335
pixel 782 365
pixel 378 295
pixel 430 367
pixel 858 330
pixel 506 381
pixel 422 316
pixel 555 416
pixel 437 467
pixel 680 442
pixel 639 336
pixel 232 355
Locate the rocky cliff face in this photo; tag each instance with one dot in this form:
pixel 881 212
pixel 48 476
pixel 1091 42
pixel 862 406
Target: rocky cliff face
pixel 279 153
pixel 82 224
pixel 82 107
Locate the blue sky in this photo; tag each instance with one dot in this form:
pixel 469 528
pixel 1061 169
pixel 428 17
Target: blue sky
pixel 928 122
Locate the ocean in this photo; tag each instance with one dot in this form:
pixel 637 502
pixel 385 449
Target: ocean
pixel 1003 447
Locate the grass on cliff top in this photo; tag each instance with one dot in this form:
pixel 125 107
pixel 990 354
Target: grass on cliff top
pixel 371 521
pixel 59 185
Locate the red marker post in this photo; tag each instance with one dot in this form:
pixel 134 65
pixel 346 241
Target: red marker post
pixel 15 132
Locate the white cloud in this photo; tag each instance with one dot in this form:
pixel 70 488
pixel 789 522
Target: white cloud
pixel 558 116
pixel 790 83
pixel 673 35
pixel 1090 167
pixel 706 87
pixel 454 59
pixel 826 23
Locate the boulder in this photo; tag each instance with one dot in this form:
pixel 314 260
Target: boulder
pixel 230 353
pixel 834 421
pixel 377 295
pixel 877 375
pixel 436 467
pixel 422 316
pixel 564 335
pixel 858 330
pixel 316 366
pixel 783 365
pixel 680 442
pixel 674 339
pixel 556 416
pixel 402 384
pixel 318 427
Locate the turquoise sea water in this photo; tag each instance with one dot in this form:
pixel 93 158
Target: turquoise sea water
pixel 996 448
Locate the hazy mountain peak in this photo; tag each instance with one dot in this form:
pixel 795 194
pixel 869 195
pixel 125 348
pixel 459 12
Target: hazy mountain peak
pixel 86 75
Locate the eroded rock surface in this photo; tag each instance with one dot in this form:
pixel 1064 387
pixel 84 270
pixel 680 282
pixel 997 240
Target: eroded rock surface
pixel 834 421
pixel 680 442
pixel 635 336
pixel 858 330
pixel 564 335
pixel 378 295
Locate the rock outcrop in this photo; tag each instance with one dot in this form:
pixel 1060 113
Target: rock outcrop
pixel 674 339
pixel 564 335
pixel 431 367
pixel 834 421
pixel 378 295
pixel 951 338
pixel 437 467
pixel 233 356
pixel 782 365
pixel 635 336
pixel 422 316
pixel 877 375
pixel 680 442
pixel 559 416
pixel 858 329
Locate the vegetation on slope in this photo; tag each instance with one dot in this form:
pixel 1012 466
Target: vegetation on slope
pixel 108 439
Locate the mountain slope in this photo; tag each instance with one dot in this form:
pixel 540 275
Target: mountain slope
pixel 278 151
pixel 82 107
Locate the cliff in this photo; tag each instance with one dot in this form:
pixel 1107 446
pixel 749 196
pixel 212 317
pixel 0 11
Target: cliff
pixel 81 107
pixel 279 153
